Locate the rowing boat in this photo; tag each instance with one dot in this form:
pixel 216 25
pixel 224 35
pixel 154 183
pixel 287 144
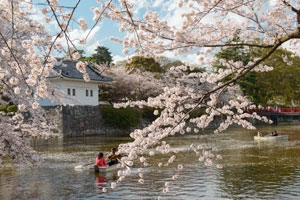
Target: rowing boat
pixel 271 138
pixel 105 169
pixel 108 168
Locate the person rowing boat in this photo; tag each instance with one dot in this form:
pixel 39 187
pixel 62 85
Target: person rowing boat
pixel 113 157
pixel 274 133
pixel 100 162
pixel 101 165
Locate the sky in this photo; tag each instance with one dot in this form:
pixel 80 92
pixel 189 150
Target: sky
pixel 108 28
pixel 101 33
pixel 99 36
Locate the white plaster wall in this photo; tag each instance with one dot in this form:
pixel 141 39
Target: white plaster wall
pixel 80 97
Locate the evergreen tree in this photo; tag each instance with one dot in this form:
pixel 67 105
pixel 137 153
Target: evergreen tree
pixel 102 56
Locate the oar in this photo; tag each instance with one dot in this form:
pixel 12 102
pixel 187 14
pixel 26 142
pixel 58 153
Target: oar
pixel 123 163
pixel 81 166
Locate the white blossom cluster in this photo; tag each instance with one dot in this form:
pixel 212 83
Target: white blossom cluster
pixel 132 86
pixel 25 62
pixel 184 94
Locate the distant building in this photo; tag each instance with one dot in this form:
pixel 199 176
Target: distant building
pixel 67 78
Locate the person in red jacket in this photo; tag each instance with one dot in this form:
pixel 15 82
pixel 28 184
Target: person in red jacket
pixel 100 161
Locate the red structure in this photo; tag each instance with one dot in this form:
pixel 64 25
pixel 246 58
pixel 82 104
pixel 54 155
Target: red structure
pixel 274 110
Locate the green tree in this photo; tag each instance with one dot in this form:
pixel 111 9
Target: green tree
pixel 260 87
pixel 144 64
pixel 102 56
pixel 286 76
pixel 235 53
pixel 238 53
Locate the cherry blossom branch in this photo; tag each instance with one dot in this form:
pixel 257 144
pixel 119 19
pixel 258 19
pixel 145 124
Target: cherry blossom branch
pixel 99 18
pixel 63 29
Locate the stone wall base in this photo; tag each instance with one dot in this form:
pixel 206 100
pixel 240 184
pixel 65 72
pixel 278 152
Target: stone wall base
pixel 76 121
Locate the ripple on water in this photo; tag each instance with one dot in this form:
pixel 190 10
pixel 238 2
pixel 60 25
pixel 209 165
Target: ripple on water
pixel 251 171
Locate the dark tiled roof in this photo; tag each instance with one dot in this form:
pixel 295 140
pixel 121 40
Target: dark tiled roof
pixel 68 70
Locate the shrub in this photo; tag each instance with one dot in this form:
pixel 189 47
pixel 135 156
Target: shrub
pixel 3 108
pixel 12 108
pixel 147 113
pixel 123 118
pixel 197 112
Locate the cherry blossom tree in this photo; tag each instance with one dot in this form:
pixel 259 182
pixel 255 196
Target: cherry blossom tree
pixel 131 86
pixel 22 75
pixel 199 27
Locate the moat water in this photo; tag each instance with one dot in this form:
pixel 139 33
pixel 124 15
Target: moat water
pixel 251 169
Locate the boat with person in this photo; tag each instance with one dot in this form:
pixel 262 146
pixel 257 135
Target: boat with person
pixel 101 165
pixel 273 136
pixel 98 168
pixel 105 169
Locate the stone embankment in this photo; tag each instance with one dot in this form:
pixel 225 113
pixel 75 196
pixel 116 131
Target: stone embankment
pixel 75 121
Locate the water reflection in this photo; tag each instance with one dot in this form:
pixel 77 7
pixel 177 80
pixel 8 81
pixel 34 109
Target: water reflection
pixel 252 170
pixel 100 180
